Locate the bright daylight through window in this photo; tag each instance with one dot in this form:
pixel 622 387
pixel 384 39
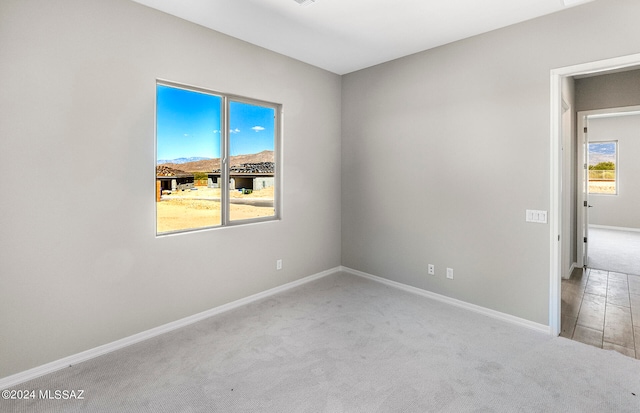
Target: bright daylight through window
pixel 603 171
pixel 216 159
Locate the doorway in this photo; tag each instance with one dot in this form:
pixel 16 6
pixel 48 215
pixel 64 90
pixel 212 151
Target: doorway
pixel 608 146
pixel 558 176
pixel 601 303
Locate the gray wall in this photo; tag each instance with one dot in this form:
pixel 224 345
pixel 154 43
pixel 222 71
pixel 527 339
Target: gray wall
pixel 608 91
pixel 80 265
pixel 619 210
pixel 472 120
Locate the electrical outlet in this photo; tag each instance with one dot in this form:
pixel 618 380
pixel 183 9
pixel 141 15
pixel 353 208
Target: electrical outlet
pixel 450 273
pixel 432 269
pixel 278 264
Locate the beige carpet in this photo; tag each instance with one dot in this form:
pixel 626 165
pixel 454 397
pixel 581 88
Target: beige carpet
pixel 347 344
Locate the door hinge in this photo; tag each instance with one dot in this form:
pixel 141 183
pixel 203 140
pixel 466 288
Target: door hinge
pixel 585 203
pixel 585 239
pixel 585 129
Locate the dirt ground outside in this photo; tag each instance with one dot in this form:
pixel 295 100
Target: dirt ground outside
pixel 192 209
pixel 602 187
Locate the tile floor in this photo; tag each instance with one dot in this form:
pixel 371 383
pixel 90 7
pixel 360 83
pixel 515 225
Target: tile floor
pixel 602 308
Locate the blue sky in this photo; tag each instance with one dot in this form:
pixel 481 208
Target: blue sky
pixel 188 125
pixel 251 128
pixel 602 152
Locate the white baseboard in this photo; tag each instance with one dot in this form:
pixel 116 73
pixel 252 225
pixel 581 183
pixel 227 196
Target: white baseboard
pixel 614 228
pixel 468 306
pixel 573 267
pixel 39 371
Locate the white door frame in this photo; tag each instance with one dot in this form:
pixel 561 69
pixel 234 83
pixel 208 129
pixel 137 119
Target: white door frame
pixel 555 217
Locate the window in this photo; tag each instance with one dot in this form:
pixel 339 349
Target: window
pixel 603 171
pixel 217 159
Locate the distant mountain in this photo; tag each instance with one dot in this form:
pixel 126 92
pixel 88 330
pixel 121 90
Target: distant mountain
pixel 208 165
pixel 179 161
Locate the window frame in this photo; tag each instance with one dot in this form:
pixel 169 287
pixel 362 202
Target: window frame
pixel 616 170
pixel 225 176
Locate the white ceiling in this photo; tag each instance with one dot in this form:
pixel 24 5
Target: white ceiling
pixel 347 35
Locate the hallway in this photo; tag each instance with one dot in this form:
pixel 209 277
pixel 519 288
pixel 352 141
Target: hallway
pixel 602 309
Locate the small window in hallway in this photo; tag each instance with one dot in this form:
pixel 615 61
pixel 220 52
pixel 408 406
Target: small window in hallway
pixel 603 167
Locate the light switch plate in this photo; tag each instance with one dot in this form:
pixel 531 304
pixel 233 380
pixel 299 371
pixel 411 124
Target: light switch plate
pixel 450 273
pixel 536 216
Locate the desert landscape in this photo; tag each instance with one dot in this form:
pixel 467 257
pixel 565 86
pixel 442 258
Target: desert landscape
pixel 602 187
pixel 200 207
pixel 208 165
pixel 190 209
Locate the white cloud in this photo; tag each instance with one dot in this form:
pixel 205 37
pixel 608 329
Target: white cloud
pixel 258 128
pixel 236 130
